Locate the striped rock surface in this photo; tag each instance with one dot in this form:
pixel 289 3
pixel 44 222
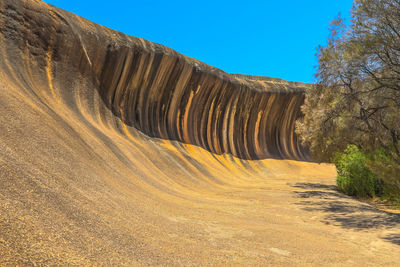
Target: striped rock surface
pixel 118 151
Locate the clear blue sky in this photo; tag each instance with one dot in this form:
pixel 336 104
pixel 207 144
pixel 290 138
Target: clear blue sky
pixel 265 37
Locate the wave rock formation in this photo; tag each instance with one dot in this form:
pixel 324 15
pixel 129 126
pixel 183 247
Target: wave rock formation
pixel 118 151
pixel 157 90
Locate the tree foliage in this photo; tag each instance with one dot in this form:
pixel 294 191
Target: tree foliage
pixel 354 176
pixel 356 99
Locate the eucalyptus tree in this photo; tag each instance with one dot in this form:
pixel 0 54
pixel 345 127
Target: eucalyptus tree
pixel 356 98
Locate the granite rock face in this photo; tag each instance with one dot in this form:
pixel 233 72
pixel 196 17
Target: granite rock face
pixel 153 88
pixel 115 151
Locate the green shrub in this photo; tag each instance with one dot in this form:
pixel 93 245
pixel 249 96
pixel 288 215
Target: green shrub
pixel 389 171
pixel 354 177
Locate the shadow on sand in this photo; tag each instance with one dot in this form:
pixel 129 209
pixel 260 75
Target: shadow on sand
pixel 345 211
